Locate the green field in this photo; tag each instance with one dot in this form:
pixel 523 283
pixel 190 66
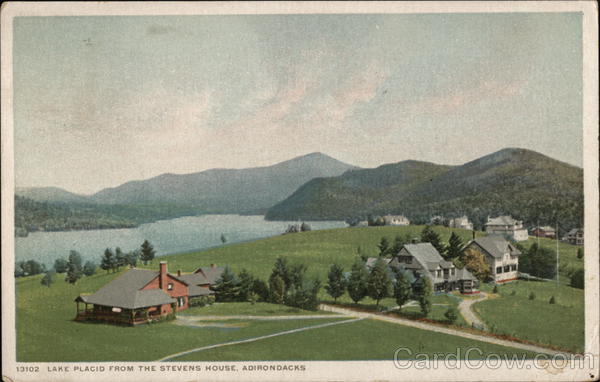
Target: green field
pixel 568 260
pixel 244 308
pixel 44 315
pixel 560 324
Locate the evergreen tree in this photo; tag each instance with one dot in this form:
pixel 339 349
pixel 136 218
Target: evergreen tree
pixel 296 275
pixel 304 227
pixel 399 242
pixel 424 292
pixel 336 284
pixel 132 258
pixel 223 238
pixel 48 279
pixel 455 248
pixel 384 247
pixel 379 285
pixel 108 260
pixel 402 288
pixel 451 314
pixel 246 283
pixel 19 271
pixel 260 288
pixel 580 253
pixel 74 267
pixel 89 268
pixel 428 235
pixel 357 282
pixel 538 261
pixel 578 279
pixel 276 289
pixel 227 287
pixel 282 270
pixel 120 258
pixel 147 252
pixel 60 265
pixel 305 296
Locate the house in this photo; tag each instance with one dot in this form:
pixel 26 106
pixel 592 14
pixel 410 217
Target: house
pixel 437 220
pixel 501 256
pixel 507 227
pixel 424 260
pixel 396 220
pixel 575 236
pixel 544 231
pixel 141 295
pixel 462 222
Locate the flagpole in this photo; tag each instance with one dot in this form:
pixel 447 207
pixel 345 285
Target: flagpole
pixel 556 235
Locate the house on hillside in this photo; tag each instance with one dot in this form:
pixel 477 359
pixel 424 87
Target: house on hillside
pixel 575 236
pixel 424 260
pixel 462 222
pixel 396 220
pixel 141 295
pixel 501 256
pixel 507 227
pixel 544 231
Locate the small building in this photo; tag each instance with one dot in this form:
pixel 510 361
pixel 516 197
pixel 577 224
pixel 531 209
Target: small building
pixel 575 236
pixel 399 220
pixel 501 256
pixel 424 260
pixel 141 295
pixel 508 227
pixel 461 222
pixel 545 231
pixel 437 220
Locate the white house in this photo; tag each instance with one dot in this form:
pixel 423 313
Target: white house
pixel 507 227
pixel 396 220
pixel 501 256
pixel 462 222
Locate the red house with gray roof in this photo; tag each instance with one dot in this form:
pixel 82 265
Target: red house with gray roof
pixel 142 295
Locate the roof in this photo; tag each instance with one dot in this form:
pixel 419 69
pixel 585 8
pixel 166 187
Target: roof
pixel 575 231
pixel 496 246
pixel 196 290
pixel 211 273
pixel 545 228
pixel 424 252
pixel 464 274
pixel 372 260
pixel 194 279
pixel 501 220
pixel 124 291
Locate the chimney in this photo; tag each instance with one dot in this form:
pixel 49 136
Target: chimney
pixel 162 277
pixel 178 272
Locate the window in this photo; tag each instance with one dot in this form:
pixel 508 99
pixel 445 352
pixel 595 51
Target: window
pixel 180 301
pixel 498 270
pixel 507 268
pixel 452 272
pixel 170 286
pixel 513 267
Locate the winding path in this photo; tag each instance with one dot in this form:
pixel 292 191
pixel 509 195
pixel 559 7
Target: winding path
pixel 440 329
pixel 466 310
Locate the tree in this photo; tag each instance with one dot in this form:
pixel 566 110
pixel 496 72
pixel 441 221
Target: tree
pixel 48 279
pixel 281 269
pixel 19 271
pixel 147 252
pixel 74 267
pixel 357 282
pixel 60 265
pixel 578 279
pixel 304 227
pixel 495 290
pixel 580 253
pixel 451 314
pixel 89 268
pixel 120 258
pixel 455 247
pixel 352 222
pixel 379 285
pixel 532 296
pixel 336 284
pixel 384 247
pixel 475 263
pixel 428 235
pixel 227 287
pixel 108 261
pixel 260 288
pixel 276 289
pixel 538 261
pixel 399 242
pixel 296 275
pixel 32 267
pixel 246 283
pixel 132 258
pixel 402 288
pixel 223 238
pixel 424 291
pixel 552 300
pixel 306 295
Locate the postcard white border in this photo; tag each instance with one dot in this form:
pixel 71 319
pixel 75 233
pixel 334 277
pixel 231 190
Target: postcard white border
pixel 315 370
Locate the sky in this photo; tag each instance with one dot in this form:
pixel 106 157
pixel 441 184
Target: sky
pixel 99 101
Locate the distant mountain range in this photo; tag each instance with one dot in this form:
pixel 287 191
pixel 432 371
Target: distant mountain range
pixel 520 182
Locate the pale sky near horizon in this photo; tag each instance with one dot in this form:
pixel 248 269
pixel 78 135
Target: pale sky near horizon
pixel 104 100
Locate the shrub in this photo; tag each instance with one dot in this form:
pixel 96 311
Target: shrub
pixel 495 289
pixel 199 301
pixel 451 314
pixel 577 279
pixel 513 293
pixel 552 300
pixel 532 296
pixel 580 253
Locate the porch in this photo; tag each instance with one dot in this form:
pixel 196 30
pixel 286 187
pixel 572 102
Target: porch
pixel 116 315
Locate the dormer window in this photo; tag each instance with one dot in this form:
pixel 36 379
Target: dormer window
pixel 170 286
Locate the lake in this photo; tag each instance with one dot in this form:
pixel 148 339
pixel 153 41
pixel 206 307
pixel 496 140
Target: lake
pixel 167 236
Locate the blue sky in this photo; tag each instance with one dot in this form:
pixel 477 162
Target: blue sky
pixel 103 100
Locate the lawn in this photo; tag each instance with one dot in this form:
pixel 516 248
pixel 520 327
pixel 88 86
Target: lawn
pixel 568 260
pixel 359 340
pixel 244 308
pixel 560 324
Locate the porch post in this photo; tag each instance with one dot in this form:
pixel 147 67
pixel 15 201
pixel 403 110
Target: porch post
pixel 78 308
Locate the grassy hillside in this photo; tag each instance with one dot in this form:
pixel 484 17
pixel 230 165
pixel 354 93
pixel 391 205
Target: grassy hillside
pixel 528 185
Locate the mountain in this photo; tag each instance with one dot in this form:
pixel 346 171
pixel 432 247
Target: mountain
pixel 250 190
pixel 519 182
pixel 51 194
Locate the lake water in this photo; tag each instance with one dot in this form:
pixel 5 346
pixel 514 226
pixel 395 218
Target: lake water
pixel 167 236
